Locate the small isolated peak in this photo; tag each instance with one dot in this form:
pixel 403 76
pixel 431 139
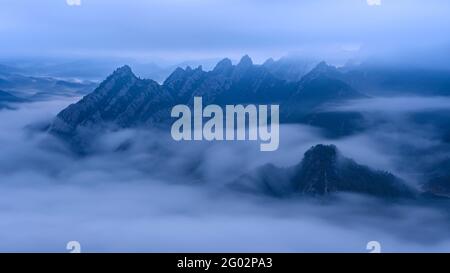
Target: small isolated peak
pixel 324 67
pixel 223 65
pixel 322 64
pixel 245 61
pixel 178 70
pixel 125 68
pixel 177 74
pixel 269 62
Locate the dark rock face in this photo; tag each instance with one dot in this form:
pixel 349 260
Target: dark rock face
pixel 323 171
pixel 122 100
pixel 318 172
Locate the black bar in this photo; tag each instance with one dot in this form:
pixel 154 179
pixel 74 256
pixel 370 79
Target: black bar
pixel 247 262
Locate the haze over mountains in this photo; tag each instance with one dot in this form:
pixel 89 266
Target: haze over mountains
pixel 126 100
pixel 363 148
pixel 32 86
pixel 308 93
pixel 306 96
pixel 354 163
pixel 6 99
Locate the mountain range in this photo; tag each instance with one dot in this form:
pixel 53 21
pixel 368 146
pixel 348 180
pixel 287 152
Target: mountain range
pixel 123 100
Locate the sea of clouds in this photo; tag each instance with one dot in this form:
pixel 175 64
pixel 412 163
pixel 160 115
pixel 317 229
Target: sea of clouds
pixel 162 196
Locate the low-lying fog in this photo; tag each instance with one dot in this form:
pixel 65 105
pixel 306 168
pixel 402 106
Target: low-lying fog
pixel 165 196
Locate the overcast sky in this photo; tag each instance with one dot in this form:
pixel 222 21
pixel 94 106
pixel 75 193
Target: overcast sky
pixel 211 28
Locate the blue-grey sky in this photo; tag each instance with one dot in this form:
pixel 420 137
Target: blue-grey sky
pixel 188 29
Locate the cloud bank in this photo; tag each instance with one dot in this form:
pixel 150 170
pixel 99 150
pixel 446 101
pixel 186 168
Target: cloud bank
pixel 162 196
pixel 73 2
pixel 374 2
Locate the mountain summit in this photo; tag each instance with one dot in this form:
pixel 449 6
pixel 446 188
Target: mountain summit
pixel 245 61
pixel 223 66
pixel 324 171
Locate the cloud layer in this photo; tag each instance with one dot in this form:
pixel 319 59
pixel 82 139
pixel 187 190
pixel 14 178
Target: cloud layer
pixel 374 2
pixel 164 196
pixel 73 2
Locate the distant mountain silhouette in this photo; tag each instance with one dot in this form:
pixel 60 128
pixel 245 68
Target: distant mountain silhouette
pixel 7 98
pixel 291 69
pixel 323 171
pixel 323 86
pixel 40 87
pixel 384 80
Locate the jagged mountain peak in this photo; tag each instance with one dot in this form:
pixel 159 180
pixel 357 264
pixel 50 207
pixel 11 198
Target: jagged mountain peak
pixel 179 74
pixel 190 69
pixel 322 65
pixel 122 71
pixel 321 155
pixel 245 61
pixel 178 70
pixel 322 69
pixel 223 65
pixel 318 171
pixel 269 62
pixel 289 68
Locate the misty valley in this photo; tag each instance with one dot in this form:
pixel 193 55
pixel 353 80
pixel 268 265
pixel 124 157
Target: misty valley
pixel 361 154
